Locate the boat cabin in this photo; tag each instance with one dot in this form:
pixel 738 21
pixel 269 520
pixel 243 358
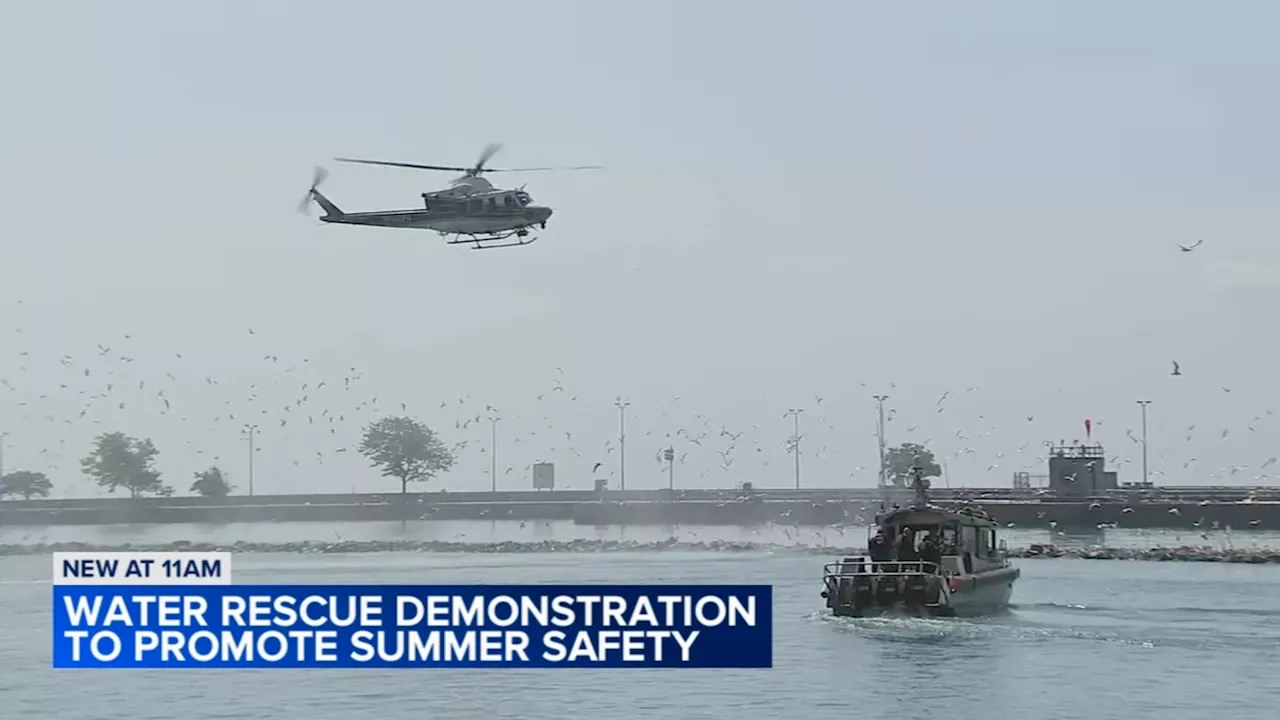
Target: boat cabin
pixel 954 541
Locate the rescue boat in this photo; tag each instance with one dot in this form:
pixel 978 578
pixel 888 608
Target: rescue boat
pixel 938 561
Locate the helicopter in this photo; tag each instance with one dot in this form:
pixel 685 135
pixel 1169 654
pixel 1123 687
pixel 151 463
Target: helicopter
pixel 471 212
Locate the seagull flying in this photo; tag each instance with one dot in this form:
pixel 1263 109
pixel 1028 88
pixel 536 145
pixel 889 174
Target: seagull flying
pixel 1192 246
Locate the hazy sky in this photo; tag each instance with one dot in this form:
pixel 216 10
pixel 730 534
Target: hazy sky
pixel 802 199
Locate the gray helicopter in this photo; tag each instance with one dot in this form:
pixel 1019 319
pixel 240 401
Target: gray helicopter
pixel 470 212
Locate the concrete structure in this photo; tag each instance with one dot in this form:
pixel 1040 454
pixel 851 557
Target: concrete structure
pixel 1080 471
pixel 544 476
pixel 1089 503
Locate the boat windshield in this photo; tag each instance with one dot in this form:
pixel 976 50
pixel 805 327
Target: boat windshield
pixel 911 542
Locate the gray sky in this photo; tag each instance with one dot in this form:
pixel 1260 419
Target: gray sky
pixel 802 199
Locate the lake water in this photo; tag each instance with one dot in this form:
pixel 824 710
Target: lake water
pixel 1098 639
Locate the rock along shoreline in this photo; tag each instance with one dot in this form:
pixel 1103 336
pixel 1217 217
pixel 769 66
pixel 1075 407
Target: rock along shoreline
pixel 1183 553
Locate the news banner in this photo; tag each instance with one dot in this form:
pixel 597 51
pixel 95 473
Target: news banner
pixel 182 610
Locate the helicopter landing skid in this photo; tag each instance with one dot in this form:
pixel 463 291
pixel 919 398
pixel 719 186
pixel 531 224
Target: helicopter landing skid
pixel 494 240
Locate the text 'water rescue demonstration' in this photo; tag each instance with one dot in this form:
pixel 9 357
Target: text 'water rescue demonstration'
pixel 365 628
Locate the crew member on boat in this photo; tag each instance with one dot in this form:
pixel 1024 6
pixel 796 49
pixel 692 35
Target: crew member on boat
pixel 931 549
pixel 879 549
pixel 907 546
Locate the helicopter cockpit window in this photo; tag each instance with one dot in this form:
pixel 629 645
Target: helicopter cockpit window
pixel 522 198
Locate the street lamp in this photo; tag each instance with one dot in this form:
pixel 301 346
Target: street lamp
pixel 493 450
pixel 622 406
pixel 794 413
pixel 249 432
pixel 880 437
pixel 1144 404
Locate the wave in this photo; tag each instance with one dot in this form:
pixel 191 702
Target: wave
pixel 1015 625
pixel 949 631
pixel 1060 606
pixel 1152 611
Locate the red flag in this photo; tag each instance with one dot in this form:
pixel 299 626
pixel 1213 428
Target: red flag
pixel 1088 428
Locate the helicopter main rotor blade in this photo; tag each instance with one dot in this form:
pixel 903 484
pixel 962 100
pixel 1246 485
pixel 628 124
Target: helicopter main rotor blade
pixel 547 169
pixel 475 170
pixel 412 166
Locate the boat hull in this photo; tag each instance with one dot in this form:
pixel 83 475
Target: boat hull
pixel 982 594
pixel 920 595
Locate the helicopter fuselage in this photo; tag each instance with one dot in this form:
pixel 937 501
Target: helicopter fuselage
pixel 474 209
pixel 450 220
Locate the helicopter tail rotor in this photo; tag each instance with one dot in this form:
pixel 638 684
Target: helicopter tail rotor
pixel 305 206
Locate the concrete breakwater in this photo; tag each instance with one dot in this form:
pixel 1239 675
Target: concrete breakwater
pixel 690 507
pixel 1186 553
pixel 1183 553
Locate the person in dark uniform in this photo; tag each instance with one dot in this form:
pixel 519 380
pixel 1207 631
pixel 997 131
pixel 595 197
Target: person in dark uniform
pixel 907 546
pixel 878 549
pixel 931 551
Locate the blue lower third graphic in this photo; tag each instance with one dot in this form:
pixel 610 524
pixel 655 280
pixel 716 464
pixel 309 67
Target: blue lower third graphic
pixel 381 626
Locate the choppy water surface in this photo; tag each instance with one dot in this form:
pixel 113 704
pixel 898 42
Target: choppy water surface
pixel 1091 639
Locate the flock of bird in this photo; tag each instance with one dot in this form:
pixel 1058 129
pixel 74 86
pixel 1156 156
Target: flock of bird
pixel 308 420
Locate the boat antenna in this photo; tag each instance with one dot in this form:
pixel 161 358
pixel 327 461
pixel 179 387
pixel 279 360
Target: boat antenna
pixel 920 484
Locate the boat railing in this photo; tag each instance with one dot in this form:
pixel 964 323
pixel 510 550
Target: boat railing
pixel 867 566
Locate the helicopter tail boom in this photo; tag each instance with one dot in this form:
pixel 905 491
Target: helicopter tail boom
pixel 330 210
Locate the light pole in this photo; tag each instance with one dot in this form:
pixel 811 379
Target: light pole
pixel 1144 404
pixel 622 406
pixel 249 431
pixel 493 459
pixel 670 455
pixel 795 440
pixel 880 436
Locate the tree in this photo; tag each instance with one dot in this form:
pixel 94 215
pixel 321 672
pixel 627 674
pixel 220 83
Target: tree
pixel 119 461
pixel 898 462
pixel 405 449
pixel 25 483
pixel 212 483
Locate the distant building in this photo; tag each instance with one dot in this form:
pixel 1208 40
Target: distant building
pixel 1026 482
pixel 1080 470
pixel 544 476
